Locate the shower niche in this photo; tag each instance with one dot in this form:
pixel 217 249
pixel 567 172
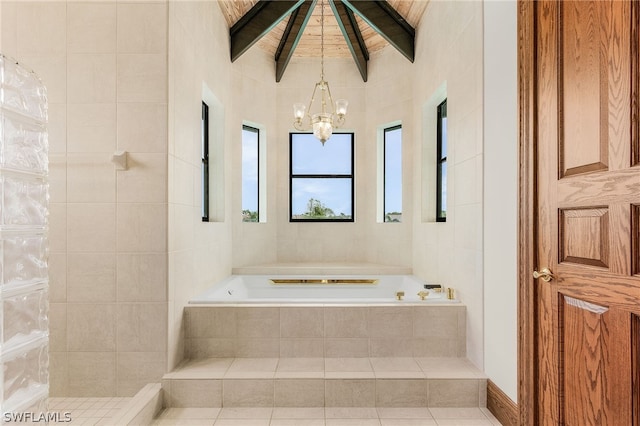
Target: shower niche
pixel 24 199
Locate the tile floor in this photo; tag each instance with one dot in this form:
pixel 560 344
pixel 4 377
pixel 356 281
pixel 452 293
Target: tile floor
pixel 97 411
pixel 87 411
pixel 353 416
pixel 329 368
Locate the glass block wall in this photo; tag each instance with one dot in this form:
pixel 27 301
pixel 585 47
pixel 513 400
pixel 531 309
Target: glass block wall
pixel 24 197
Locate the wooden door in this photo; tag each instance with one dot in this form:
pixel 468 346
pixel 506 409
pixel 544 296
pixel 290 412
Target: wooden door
pixel 585 149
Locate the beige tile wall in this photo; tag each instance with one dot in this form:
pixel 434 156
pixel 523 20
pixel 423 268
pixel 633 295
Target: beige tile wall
pixel 317 332
pixel 451 253
pixel 199 254
pixel 104 64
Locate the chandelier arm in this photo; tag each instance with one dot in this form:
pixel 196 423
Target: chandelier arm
pixel 313 97
pixel 333 108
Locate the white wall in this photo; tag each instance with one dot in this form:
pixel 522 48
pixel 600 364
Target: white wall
pixel 500 194
pixel 449 51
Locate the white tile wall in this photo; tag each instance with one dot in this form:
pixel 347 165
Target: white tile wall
pixel 451 253
pixel 104 65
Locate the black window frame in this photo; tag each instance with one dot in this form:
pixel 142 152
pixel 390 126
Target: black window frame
pixel 321 176
pixel 205 163
pixel 257 132
pixel 441 159
pixel 384 171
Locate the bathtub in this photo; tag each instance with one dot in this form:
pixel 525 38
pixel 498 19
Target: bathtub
pixel 318 289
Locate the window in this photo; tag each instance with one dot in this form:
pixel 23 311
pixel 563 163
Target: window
pixel 392 152
pixel 250 173
pixel 205 162
pixel 321 179
pixel 441 164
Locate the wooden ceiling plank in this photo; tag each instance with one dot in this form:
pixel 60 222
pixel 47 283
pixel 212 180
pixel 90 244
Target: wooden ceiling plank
pixel 258 21
pixel 388 23
pixel 292 35
pixel 352 35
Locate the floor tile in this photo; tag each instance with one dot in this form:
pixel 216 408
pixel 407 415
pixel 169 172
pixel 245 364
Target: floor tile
pixel 245 413
pixel 347 365
pixel 190 413
pixel 297 422
pixel 404 413
pixel 457 413
pixel 408 422
pixel 350 413
pixel 298 413
pixel 242 422
pixel 352 422
pixel 254 368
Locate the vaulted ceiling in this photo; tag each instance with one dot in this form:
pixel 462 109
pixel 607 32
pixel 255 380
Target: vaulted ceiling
pixel 352 28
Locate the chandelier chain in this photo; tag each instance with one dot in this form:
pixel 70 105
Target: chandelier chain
pixel 322 40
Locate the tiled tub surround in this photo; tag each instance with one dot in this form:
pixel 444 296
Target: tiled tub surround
pixel 310 331
pixel 325 382
pixel 325 356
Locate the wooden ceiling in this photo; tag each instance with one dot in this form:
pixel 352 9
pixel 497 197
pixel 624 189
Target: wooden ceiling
pixel 335 44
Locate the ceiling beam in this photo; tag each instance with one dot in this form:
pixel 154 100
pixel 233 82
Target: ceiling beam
pixel 352 35
pixel 292 34
pixel 387 22
pixel 258 21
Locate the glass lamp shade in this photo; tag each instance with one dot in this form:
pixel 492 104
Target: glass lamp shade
pixel 298 111
pixel 322 126
pixel 341 107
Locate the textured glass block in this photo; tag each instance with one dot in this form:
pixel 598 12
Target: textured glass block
pixel 23 202
pixel 21 90
pixel 24 259
pixel 24 317
pixel 25 376
pixel 24 145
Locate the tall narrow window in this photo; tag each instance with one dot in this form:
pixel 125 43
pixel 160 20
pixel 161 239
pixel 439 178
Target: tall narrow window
pixel 205 162
pixel 250 173
pixel 441 159
pixel 321 180
pixel 393 174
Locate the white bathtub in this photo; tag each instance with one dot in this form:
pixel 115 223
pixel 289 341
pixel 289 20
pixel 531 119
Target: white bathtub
pixel 318 289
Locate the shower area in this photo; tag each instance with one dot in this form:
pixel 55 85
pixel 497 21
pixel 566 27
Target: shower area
pixel 24 197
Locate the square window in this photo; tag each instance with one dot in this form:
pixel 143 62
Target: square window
pixel 321 178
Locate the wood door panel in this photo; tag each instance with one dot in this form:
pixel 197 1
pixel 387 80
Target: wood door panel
pixel 635 238
pixel 584 236
pixel 583 88
pixel 635 82
pixel 608 288
pixel 596 360
pixel 599 188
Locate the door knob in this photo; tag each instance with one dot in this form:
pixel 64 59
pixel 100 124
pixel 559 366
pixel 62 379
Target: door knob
pixel 544 273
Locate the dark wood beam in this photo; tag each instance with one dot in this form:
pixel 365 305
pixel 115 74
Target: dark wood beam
pixel 292 34
pixel 387 22
pixel 352 35
pixel 258 21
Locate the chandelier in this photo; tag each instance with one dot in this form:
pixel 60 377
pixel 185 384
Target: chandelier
pixel 329 115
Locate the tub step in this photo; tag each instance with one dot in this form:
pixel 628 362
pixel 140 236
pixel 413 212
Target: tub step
pixel 325 382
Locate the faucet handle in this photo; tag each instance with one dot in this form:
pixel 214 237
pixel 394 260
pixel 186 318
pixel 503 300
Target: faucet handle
pixel 399 295
pixel 423 294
